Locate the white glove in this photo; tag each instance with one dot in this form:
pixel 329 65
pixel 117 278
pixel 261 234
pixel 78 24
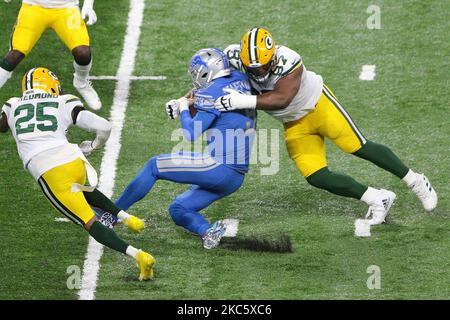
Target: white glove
pixel 235 100
pixel 175 107
pixel 86 147
pixel 88 12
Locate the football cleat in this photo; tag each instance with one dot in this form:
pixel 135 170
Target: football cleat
pixel 379 209
pixel 211 237
pixel 425 192
pixel 88 93
pixel 134 223
pixel 145 262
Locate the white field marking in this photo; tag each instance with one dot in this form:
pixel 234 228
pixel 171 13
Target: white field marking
pixel 156 78
pixel 367 72
pixel 112 147
pixel 62 220
pixel 232 227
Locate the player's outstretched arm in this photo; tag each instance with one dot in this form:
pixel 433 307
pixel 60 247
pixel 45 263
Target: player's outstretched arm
pixel 89 121
pixel 88 12
pixel 285 90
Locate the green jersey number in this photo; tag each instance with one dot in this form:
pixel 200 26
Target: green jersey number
pixel 41 117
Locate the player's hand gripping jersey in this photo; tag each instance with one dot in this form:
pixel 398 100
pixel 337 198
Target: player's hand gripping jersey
pixel 286 61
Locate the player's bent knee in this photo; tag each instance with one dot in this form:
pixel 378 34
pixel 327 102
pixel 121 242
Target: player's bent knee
pixel 89 224
pixel 82 55
pixel 14 57
pixel 177 211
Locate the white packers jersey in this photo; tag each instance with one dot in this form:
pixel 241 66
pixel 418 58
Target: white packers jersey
pixel 286 61
pixel 39 122
pixel 53 4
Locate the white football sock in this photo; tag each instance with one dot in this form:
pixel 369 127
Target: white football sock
pixel 410 178
pixel 4 76
pixel 122 215
pixel 370 195
pixel 82 72
pixel 132 251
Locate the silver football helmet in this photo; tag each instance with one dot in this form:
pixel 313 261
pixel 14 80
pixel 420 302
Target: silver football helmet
pixel 206 65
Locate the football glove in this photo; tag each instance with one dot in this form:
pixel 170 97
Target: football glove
pixel 175 107
pixel 235 100
pixel 87 147
pixel 88 12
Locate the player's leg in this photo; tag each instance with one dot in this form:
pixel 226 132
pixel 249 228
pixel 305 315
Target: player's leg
pixel 344 133
pixel 31 23
pixel 306 146
pixel 99 200
pixel 57 183
pixel 178 167
pixel 185 211
pixel 72 30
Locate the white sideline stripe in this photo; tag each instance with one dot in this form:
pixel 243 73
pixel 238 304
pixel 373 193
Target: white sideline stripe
pixel 115 78
pixel 112 147
pixel 367 72
pixel 232 227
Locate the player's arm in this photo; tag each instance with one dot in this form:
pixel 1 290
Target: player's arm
pixel 4 123
pixel 193 127
pixel 279 98
pixel 285 90
pixel 90 122
pixel 87 11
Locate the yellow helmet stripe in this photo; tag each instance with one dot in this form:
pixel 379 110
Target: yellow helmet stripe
pixel 253 45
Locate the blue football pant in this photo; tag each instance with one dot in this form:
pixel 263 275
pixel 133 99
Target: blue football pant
pixel 210 182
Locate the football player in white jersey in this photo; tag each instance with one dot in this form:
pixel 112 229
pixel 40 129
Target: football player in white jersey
pixel 310 112
pixel 65 18
pixel 39 121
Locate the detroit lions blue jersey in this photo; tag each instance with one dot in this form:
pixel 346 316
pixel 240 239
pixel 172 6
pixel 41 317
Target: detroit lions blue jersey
pixel 230 135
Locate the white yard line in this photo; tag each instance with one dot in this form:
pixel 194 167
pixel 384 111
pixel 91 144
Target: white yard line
pixel 156 78
pixel 367 72
pixel 112 147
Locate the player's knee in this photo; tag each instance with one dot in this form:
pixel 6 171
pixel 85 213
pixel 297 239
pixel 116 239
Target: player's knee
pixel 320 178
pixel 14 57
pixel 151 167
pixel 82 55
pixel 177 211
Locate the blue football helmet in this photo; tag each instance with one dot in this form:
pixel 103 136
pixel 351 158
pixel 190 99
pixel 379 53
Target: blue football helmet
pixel 206 65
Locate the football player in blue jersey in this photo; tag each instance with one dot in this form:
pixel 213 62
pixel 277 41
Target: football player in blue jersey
pixel 212 175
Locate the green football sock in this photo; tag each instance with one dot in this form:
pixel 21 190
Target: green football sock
pixel 337 183
pixel 383 157
pixel 107 237
pixel 99 200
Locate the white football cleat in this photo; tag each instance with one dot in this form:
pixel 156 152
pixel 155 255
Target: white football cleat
pixel 88 93
pixel 379 209
pixel 211 238
pixel 425 192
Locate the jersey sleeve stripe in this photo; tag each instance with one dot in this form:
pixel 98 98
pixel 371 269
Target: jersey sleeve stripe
pixel 294 67
pixel 72 100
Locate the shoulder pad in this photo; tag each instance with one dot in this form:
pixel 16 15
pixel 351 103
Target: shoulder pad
pixel 11 101
pixel 233 53
pixel 67 98
pixel 287 60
